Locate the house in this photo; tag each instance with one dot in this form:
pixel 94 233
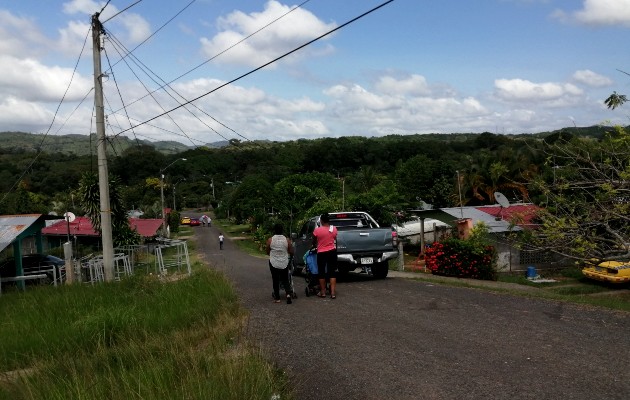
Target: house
pixel 23 233
pixel 502 224
pixel 81 230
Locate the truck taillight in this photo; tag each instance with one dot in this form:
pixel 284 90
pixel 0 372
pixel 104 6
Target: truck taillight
pixel 395 238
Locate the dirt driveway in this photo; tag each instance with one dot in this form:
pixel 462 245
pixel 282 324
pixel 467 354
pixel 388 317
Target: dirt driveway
pixel 402 339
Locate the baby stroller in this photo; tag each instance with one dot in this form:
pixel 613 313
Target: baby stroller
pixel 310 273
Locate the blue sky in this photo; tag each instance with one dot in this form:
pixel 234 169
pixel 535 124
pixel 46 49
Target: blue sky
pixel 413 66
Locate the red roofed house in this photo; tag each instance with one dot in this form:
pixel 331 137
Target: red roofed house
pixel 81 230
pixel 503 225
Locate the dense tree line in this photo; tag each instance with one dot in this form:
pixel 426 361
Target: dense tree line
pixel 261 182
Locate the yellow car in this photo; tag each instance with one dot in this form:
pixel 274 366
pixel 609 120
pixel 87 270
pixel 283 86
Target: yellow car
pixel 185 221
pixel 609 271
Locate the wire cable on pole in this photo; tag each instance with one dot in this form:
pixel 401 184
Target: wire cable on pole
pixel 267 63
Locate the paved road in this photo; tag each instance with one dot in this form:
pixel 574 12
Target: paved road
pixel 403 339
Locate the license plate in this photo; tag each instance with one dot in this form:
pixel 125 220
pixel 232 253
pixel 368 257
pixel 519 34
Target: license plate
pixel 367 260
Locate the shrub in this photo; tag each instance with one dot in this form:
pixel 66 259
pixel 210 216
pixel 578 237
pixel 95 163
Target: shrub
pixel 462 258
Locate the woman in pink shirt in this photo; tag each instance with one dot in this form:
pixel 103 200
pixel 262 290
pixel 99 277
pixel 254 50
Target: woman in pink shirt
pixel 324 238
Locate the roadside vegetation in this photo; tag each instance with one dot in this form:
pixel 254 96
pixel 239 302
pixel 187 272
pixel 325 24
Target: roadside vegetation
pixel 141 338
pixel 570 285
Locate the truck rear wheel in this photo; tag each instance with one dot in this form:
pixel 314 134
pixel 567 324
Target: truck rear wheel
pixel 380 270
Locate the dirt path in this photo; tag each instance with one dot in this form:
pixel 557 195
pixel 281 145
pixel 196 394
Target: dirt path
pixel 403 339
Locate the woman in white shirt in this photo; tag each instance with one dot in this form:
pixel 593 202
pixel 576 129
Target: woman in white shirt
pixel 279 248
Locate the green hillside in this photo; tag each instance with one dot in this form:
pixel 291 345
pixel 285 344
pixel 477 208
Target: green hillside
pixel 79 145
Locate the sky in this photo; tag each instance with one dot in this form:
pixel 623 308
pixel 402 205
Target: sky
pixel 201 71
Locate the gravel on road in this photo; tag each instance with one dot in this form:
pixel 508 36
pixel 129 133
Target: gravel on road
pixel 400 338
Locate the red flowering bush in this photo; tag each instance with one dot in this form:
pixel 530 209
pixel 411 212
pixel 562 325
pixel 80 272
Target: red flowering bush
pixel 462 258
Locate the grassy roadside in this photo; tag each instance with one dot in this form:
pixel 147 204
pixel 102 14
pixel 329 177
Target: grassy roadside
pixel 240 234
pixel 140 338
pixel 570 286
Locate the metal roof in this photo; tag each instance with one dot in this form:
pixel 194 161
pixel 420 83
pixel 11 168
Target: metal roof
pixel 521 215
pixel 12 226
pixel 477 215
pixel 82 226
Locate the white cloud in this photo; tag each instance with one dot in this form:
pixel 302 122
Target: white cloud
pixel 590 78
pixel 136 27
pixel 412 85
pixel 20 36
pixel 355 106
pixel 72 38
pixel 296 28
pixel 30 80
pixel 599 12
pixel 16 114
pixel 521 90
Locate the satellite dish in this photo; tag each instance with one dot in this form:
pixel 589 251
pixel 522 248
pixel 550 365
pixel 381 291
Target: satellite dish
pixel 501 199
pixel 68 216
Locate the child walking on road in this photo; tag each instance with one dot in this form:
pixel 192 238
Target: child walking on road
pixel 220 241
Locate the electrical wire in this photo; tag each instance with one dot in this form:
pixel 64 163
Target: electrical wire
pixel 114 42
pixel 130 53
pixel 119 12
pixel 118 90
pixel 226 49
pixel 103 9
pixel 145 68
pixel 157 30
pixel 267 63
pixel 52 122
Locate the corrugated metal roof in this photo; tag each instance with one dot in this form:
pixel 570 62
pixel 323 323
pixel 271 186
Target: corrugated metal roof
pixel 11 226
pixel 82 226
pixel 477 215
pixel 521 214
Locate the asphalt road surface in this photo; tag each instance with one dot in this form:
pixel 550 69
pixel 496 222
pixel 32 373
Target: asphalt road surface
pixel 402 339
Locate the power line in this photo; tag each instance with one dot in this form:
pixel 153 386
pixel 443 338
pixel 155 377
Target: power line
pixel 224 51
pixel 119 12
pixel 118 89
pixel 53 120
pixel 157 30
pixel 267 63
pixel 144 68
pixel 136 61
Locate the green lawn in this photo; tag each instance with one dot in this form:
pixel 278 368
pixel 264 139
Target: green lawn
pixel 142 338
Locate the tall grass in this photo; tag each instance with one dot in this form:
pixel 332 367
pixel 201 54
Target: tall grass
pixel 140 338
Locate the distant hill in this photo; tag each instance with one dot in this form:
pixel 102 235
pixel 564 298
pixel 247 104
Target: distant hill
pixel 79 145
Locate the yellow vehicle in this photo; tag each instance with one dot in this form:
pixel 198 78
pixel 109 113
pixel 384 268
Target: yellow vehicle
pixel 609 271
pixel 185 221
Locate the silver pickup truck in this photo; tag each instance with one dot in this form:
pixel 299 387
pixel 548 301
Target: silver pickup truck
pixel 361 243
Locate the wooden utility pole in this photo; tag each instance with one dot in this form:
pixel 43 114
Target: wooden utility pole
pixel 103 175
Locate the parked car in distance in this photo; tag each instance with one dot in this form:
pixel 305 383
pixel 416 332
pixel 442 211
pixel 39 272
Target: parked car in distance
pixel 33 264
pixel 194 222
pixel 609 271
pixel 185 221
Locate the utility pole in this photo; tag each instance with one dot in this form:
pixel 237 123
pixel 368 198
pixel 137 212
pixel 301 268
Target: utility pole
pixel 103 174
pixel 162 200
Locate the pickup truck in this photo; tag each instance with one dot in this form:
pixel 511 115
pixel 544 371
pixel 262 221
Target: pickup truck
pixel 361 243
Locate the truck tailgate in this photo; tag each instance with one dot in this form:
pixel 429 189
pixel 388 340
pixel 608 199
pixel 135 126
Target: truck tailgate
pixel 364 240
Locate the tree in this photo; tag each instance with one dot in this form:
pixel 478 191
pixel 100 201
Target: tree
pixel 615 100
pixel 90 201
pixel 588 206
